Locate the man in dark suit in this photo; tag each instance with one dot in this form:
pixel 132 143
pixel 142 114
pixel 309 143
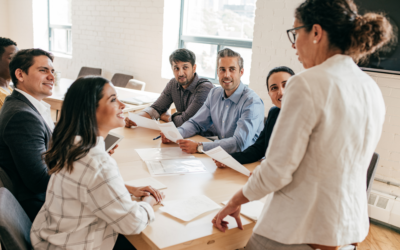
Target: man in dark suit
pixel 26 127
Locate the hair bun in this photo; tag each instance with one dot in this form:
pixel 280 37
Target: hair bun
pixel 371 32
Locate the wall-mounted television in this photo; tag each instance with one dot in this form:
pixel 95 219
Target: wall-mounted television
pixel 387 59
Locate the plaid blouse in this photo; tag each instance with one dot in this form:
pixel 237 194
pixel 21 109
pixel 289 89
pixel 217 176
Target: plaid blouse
pixel 88 208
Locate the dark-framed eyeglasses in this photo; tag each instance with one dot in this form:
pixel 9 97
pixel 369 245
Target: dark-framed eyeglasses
pixel 292 33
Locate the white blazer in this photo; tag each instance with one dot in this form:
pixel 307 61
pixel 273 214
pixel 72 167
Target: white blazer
pixel 326 133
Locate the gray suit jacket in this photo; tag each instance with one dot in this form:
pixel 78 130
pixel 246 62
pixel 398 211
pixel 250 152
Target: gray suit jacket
pixel 24 137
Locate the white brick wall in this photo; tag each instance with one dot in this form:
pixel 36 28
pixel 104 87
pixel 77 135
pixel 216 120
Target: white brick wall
pixel 119 37
pixel 271 48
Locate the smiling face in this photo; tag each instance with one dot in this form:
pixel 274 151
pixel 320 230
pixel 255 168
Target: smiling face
pixel 5 60
pixel 109 113
pixel 229 74
pixel 183 72
pixel 276 87
pixel 39 79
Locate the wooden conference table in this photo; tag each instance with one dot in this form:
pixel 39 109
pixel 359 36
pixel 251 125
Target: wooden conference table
pixel 168 232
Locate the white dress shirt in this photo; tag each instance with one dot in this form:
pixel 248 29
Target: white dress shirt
pixel 89 207
pixel 323 141
pixel 42 107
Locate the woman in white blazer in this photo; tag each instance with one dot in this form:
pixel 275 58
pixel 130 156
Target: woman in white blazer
pixel 329 126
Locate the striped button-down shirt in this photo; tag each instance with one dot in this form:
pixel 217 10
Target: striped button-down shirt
pixel 238 119
pixel 89 207
pixel 187 101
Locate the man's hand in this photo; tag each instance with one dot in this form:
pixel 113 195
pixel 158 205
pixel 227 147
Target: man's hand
pixel 112 151
pixel 164 139
pixel 231 210
pixel 166 117
pixel 188 146
pixel 219 164
pixel 145 191
pixel 130 123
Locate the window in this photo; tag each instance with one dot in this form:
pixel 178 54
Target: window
pixel 60 36
pixel 208 26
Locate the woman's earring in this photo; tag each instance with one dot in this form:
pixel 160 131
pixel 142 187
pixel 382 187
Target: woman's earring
pixel 315 41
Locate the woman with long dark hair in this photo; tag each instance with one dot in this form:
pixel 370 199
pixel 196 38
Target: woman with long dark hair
pixel 87 204
pixel 328 128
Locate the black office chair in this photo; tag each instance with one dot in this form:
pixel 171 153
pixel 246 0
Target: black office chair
pixel 5 181
pixel 87 71
pixel 15 225
pixel 121 80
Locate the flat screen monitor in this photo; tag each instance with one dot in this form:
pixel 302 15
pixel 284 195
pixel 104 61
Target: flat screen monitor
pixel 387 59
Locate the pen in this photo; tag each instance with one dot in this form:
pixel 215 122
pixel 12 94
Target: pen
pixel 158 137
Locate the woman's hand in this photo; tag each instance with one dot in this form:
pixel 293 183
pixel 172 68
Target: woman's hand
pixel 112 151
pixel 219 164
pixel 146 191
pixel 231 210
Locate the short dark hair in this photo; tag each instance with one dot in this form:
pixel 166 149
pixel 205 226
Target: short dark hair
pixel 24 59
pixel 279 69
pixel 357 36
pixel 230 53
pixel 5 42
pixel 79 108
pixel 182 55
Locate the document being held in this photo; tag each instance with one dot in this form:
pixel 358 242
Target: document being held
pixel 190 208
pixel 222 156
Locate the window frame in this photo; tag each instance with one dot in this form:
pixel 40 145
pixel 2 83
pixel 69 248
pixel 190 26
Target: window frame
pixel 221 43
pixel 51 27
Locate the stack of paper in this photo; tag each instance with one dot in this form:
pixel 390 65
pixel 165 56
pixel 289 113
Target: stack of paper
pixel 251 210
pixel 168 129
pixel 222 156
pixel 189 209
pixel 167 161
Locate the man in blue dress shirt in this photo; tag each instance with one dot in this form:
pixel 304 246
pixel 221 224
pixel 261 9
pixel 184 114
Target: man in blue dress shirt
pixel 236 111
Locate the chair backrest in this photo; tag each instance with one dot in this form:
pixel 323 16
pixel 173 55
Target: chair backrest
pixel 371 172
pixel 121 80
pixel 5 181
pixel 135 84
pixel 87 71
pixel 15 225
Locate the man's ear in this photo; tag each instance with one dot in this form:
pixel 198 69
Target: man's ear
pixel 19 75
pixel 194 68
pixel 241 72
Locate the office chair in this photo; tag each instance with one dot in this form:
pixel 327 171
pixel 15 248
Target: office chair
pixel 15 226
pixel 135 84
pixel 86 71
pixel 121 80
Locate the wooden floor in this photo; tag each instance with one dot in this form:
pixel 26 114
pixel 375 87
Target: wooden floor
pixel 381 238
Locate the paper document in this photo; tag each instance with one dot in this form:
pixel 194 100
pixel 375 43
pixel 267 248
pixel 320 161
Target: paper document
pixel 157 154
pixel 251 210
pixel 222 156
pixel 143 121
pixel 175 166
pixel 149 181
pixel 170 131
pixel 190 208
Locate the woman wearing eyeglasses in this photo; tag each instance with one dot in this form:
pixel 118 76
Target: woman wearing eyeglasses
pixel 328 128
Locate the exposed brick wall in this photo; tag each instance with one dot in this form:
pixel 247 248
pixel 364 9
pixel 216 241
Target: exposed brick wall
pixel 119 37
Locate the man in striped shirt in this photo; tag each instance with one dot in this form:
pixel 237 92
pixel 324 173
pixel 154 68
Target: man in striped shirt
pixel 186 90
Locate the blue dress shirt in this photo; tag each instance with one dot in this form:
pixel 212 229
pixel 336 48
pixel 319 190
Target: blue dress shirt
pixel 238 119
